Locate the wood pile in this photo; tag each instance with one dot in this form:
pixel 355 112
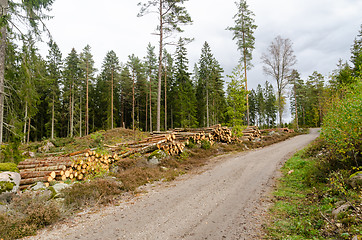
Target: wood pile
pixel 251 132
pixel 91 164
pixel 38 170
pixel 80 164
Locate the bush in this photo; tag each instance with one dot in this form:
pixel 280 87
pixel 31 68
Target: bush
pixel 29 213
pixel 205 144
pixel 11 153
pixel 342 126
pixel 98 191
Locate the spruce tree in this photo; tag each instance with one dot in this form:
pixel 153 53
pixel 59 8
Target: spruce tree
pixel 184 99
pixel 71 83
pixel 34 14
pixel 243 33
pixel 236 100
pixel 54 74
pixel 109 79
pixel 150 63
pixel 87 76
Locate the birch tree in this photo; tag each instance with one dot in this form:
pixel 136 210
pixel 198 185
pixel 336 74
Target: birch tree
pixel 279 60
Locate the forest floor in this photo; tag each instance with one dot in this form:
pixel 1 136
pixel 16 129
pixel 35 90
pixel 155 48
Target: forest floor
pixel 224 199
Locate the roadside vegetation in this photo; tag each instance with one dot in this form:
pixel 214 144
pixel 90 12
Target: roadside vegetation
pixel 320 193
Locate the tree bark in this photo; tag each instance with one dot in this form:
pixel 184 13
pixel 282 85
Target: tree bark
pixel 133 103
pixel 207 106
pixel 112 99
pixel 80 115
pixel 25 121
pixel 166 96
pixel 150 103
pixel 3 11
pixel 86 104
pixel 28 138
pixel 158 120
pixel 52 134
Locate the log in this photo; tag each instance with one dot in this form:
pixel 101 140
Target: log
pixel 49 168
pixel 34 174
pixel 33 180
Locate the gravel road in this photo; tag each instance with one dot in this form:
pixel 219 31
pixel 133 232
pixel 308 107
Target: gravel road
pixel 224 201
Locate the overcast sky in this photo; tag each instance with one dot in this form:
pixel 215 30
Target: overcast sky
pixel 322 31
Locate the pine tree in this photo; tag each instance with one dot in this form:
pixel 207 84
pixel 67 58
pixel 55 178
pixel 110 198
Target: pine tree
pixel 243 32
pixel 171 16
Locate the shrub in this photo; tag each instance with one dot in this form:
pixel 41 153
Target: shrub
pixel 205 144
pixel 29 213
pixel 11 153
pixel 342 127
pixel 98 191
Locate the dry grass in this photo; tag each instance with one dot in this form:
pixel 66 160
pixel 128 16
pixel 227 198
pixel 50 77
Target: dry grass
pixel 92 193
pixel 28 213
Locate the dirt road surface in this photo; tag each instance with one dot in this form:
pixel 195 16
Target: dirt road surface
pixel 222 202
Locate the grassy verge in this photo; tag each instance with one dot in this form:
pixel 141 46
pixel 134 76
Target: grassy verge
pixel 307 198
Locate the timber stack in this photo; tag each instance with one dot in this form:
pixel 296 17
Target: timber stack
pixel 251 132
pixel 91 163
pixel 39 170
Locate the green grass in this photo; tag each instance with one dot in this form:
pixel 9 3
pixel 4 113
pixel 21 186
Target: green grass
pixel 302 208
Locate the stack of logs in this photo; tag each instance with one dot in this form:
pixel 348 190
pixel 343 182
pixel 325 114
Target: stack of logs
pixel 92 163
pixel 39 170
pixel 88 162
pixel 250 133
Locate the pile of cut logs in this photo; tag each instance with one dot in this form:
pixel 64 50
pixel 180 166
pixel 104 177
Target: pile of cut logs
pixel 78 165
pixel 41 170
pixel 92 163
pixel 250 133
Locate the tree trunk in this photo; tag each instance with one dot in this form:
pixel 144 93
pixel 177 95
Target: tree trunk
pixel 112 100
pixel 146 128
pixel 166 96
pixel 25 121
pixel 80 115
pixel 133 104
pixel 150 103
pixel 86 104
pixel 3 11
pixel 296 107
pixel 207 107
pixel 246 82
pixel 158 118
pixel 28 138
pixel 70 111
pixel 53 116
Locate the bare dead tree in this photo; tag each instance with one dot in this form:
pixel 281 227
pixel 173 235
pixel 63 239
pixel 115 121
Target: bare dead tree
pixel 278 61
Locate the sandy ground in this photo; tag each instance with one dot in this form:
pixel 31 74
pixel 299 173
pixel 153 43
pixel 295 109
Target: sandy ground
pixel 225 200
